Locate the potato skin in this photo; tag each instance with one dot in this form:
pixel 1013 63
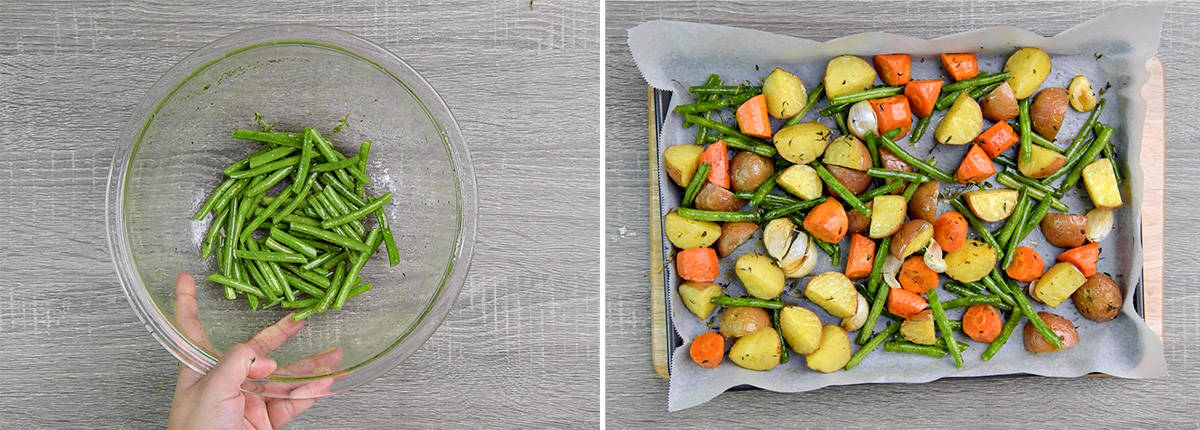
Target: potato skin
pixel 891 161
pixel 738 321
pixel 714 198
pixel 1035 343
pixel 1047 111
pixel 854 180
pixel 913 236
pixel 1099 299
pixel 733 235
pixel 857 222
pixel 1064 230
pixel 749 170
pixel 681 162
pixel 923 205
pixel 1000 104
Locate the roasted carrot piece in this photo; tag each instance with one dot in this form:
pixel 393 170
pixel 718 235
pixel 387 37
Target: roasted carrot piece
pixel 976 167
pixel 717 157
pixel 997 139
pixel 861 258
pixel 697 264
pixel 892 113
pixel 960 66
pixel 708 349
pixel 752 117
pixel 950 231
pixel 894 69
pixel 922 96
pixel 1083 257
pixel 1026 266
pixel 981 323
pixel 904 303
pixel 915 276
pixel 827 221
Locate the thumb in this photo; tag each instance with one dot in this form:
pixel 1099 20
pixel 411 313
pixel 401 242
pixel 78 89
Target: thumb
pixel 239 363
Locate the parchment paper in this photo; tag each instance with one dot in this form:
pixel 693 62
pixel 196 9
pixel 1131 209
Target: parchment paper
pixel 1110 50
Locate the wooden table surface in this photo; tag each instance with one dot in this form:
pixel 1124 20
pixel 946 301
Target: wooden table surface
pixel 635 396
pixel 520 348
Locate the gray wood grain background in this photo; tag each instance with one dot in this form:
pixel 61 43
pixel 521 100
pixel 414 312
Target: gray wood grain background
pixel 520 348
pixel 636 397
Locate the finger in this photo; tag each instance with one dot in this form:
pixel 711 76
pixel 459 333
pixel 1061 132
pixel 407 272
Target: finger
pixel 239 363
pixel 314 365
pixel 255 412
pixel 187 311
pixel 267 339
pixel 282 411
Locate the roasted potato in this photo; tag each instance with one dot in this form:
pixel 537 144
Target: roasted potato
pixel 919 329
pixel 759 274
pixel 714 198
pixel 857 222
pixel 833 292
pixel 696 296
pixel 849 152
pixel 891 161
pixel 802 143
pixel 757 351
pixel 738 321
pixel 846 74
pixel 1101 184
pixel 1099 299
pixel 1000 104
pixel 801 328
pixel 1057 284
pixel 1064 230
pixel 913 236
pixel 856 321
pixel 962 122
pixel 1035 343
pixel 681 162
pixel 785 94
pixel 833 353
pixel 1042 163
pixel 748 170
pixel 800 180
pixel 923 204
pixel 992 205
pixel 687 233
pixel 1047 112
pixel 1082 96
pixel 1029 67
pixel 856 181
pixel 733 235
pixel 887 215
pixel 971 262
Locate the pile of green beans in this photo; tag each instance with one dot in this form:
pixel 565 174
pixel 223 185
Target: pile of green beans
pixel 306 248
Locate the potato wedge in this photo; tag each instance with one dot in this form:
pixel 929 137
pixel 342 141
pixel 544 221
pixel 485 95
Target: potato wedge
pixel 992 205
pixel 1064 328
pixel 833 353
pixel 1000 104
pixel 1064 230
pixel 1047 112
pixel 687 233
pixel 849 152
pixel 738 321
pixel 923 204
pixel 833 292
pixel 1042 163
pixel 714 198
pixel 733 235
pixel 962 122
pixel 696 296
pixel 887 215
pixel 759 274
pixel 785 94
pixel 913 236
pixel 1082 96
pixel 1057 284
pixel 757 351
pixel 919 329
pixel 971 262
pixel 800 180
pixel 1029 67
pixel 846 74
pixel 1099 299
pixel 801 329
pixel 859 318
pixel 748 170
pixel 681 162
pixel 856 181
pixel 857 222
pixel 1101 184
pixel 802 143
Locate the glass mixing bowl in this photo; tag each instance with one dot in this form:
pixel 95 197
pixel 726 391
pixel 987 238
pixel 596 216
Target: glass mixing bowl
pixel 177 140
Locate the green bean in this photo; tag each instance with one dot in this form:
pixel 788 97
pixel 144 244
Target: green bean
pixel 873 282
pixel 1023 229
pixel 703 215
pixel 975 223
pixel 693 188
pixel 867 94
pixel 773 199
pixel 748 144
pixel 303 285
pixel 229 195
pixel 998 290
pixel 976 287
pixel 1111 154
pixel 277 137
pixel 296 202
pixel 321 203
pixel 1010 325
pixel 1092 152
pixel 910 190
pixel 1003 235
pixel 918 130
pixel 1022 180
pixel 334 165
pixel 266 168
pixel 701 107
pixel 962 302
pixel 749 302
pixel 920 165
pixel 877 303
pixel 833 250
pixel 361 288
pixel 389 241
pixel 1034 193
pixel 235 284
pixel 812 100
pixel 840 189
pixel 293 242
pixel 835 109
pixel 876 172
pixel 358 213
pixel 783 346
pixel 278 257
pixel 262 216
pixel 214 198
pixel 1038 140
pixel 1077 145
pixel 231 236
pixel 872 344
pixel 243 163
pixel 712 89
pixel 763 189
pixel 300 304
pixel 270 181
pixel 1026 309
pixel 984 90
pixel 840 119
pixel 269 156
pixel 335 238
pixel 702 132
pixel 283 282
pixel 213 229
pixel 266 275
pixel 719 127
pixel 789 209
pixel 939 317
pixel 333 182
pixel 977 81
pixel 364 152
pixel 959 289
pixel 872 144
pixel 304 314
pixel 340 207
pixel 888 188
pixel 1026 142
pixel 373 242
pixel 905 346
pixel 253 301
pixel 308 275
pixel 946 100
pixel 274 245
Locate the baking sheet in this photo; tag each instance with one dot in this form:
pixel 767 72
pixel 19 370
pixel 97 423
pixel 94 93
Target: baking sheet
pixel 1110 50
